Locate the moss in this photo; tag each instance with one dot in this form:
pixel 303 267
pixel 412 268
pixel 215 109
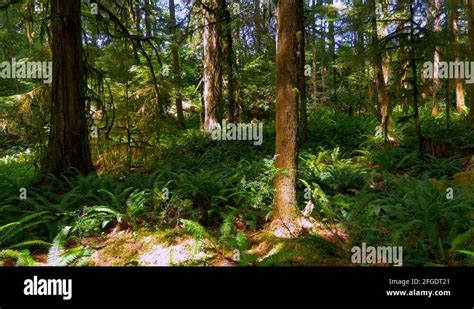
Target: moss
pixel 309 250
pixel 127 248
pixel 118 252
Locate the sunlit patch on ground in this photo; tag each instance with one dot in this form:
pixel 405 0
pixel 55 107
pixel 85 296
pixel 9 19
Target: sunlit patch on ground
pixel 186 251
pixel 157 249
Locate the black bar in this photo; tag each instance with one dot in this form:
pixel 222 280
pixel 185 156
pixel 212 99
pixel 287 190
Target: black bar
pixel 259 285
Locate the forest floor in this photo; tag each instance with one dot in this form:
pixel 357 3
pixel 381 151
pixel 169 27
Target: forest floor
pixel 174 247
pixel 196 202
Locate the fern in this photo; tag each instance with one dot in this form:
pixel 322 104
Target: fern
pixel 58 257
pixel 108 210
pixel 30 243
pixel 9 254
pixel 10 230
pixel 198 231
pixel 54 253
pixel 25 259
pixel 227 227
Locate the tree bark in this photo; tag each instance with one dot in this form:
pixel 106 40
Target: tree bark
pixel 286 220
pixel 258 26
pixel 212 66
pixel 68 145
pixel 414 77
pixel 458 85
pixel 300 53
pixel 29 21
pixel 148 16
pixel 471 50
pixel 332 51
pixel 229 56
pixel 436 58
pixel 380 75
pixel 176 66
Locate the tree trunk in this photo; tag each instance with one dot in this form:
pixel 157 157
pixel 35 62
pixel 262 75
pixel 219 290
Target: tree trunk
pixel 149 28
pixel 332 51
pixel 471 50
pixel 138 16
pixel 314 76
pixel 458 86
pixel 300 53
pixel 436 58
pixel 212 67
pixel 68 145
pixel 176 67
pixel 380 75
pixel 229 56
pixel 258 26
pixel 29 21
pixel 286 219
pixel 414 77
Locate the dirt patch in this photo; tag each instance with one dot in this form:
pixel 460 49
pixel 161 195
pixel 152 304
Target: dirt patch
pixel 152 249
pixel 185 251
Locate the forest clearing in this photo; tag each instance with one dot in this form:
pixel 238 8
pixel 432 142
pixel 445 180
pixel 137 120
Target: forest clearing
pixel 236 133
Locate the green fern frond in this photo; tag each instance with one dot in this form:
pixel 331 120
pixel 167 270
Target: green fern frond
pixel 30 243
pixel 242 241
pixel 197 231
pixel 70 256
pixel 105 209
pixel 227 227
pixel 25 259
pixel 54 254
pixel 11 233
pixel 9 254
pixel 9 225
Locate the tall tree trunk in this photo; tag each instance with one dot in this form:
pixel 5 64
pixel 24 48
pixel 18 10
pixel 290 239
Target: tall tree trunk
pixel 286 219
pixel 379 64
pixel 386 60
pixel 314 76
pixel 458 85
pixel 300 53
pixel 148 16
pixel 229 55
pixel 133 14
pixel 138 16
pixel 238 63
pixel 471 50
pixel 29 20
pixel 436 58
pixel 68 145
pixel 176 67
pixel 212 66
pixel 332 51
pixel 415 77
pixel 258 26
